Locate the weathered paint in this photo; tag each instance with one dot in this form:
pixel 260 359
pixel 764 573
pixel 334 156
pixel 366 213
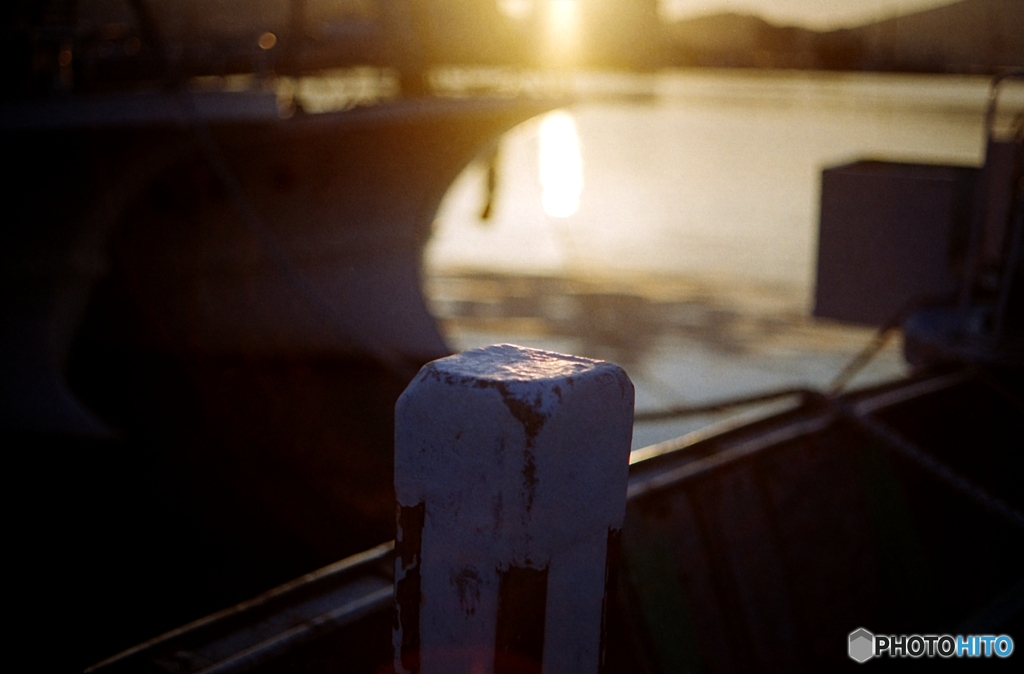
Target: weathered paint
pixel 520 458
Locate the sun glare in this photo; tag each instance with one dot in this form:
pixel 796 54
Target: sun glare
pixel 561 165
pixel 517 9
pixel 561 31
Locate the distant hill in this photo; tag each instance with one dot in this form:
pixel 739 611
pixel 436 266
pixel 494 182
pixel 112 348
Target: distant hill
pixel 968 36
pixel 739 40
pixel 973 35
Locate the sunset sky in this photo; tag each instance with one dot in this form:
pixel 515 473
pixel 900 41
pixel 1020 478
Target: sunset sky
pixel 818 14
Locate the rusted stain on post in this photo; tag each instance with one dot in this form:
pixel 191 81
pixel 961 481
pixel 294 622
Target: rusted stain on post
pixel 519 636
pixel 408 548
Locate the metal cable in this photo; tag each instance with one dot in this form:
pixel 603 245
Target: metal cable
pixel 863 358
pixel 723 405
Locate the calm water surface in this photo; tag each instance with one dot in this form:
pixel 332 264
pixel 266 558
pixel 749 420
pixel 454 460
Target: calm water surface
pixel 690 249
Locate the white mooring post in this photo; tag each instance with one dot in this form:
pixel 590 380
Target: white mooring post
pixel 510 473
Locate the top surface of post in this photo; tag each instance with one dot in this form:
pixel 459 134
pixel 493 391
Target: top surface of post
pixel 531 382
pixel 463 418
pixel 510 363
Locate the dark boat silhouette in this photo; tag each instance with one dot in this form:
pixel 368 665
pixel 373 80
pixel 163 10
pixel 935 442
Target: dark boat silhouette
pixel 211 299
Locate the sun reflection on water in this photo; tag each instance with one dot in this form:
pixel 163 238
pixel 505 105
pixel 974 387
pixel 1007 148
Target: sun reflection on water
pixel 560 165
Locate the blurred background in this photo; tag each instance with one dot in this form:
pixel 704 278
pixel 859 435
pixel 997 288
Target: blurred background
pixel 210 307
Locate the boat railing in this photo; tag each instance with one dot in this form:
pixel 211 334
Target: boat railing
pixel 726 507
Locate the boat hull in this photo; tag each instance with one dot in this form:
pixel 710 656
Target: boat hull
pixel 207 324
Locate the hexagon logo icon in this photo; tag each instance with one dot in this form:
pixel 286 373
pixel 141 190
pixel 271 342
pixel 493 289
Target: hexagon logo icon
pixel 862 645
